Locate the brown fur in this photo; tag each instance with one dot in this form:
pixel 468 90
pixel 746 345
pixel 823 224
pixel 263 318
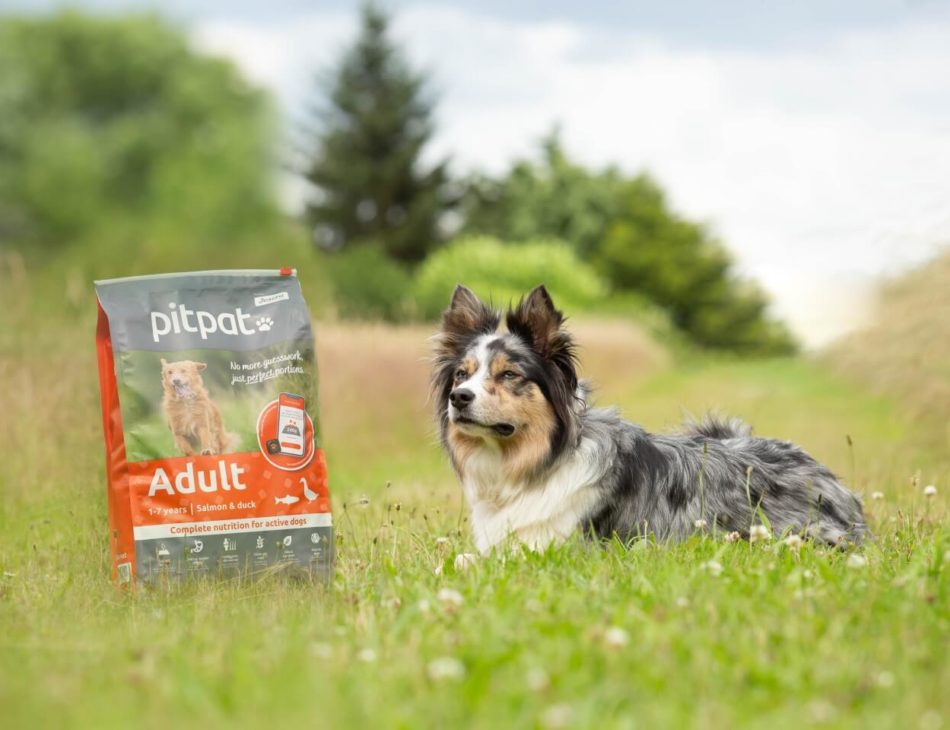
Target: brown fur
pixel 512 401
pixel 192 417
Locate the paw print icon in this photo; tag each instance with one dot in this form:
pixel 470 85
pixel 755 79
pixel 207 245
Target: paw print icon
pixel 264 324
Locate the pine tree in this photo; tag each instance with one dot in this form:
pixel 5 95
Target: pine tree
pixel 370 185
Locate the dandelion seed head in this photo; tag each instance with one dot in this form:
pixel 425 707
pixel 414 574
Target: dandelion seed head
pixel 930 491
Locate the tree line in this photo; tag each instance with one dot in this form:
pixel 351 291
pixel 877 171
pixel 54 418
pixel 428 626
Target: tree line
pixel 118 119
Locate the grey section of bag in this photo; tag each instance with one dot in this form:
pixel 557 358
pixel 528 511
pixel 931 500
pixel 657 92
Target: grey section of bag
pixel 241 310
pixel 309 549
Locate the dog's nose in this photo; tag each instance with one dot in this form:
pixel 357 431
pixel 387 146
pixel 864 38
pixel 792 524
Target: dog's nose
pixel 461 397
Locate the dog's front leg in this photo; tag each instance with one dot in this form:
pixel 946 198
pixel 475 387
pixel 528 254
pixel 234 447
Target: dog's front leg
pixel 183 444
pixel 205 439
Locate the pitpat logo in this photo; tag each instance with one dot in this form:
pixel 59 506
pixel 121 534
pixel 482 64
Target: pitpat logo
pixel 181 319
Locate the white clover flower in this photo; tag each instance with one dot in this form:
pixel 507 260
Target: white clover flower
pixel 442 542
pixel 556 717
pixel 321 650
pixel 822 711
pixel 877 496
pixel 712 567
pixel 700 524
pixel 437 570
pixel 424 606
pixel 537 680
pixel 857 561
pixel 464 561
pixel 733 537
pixel 794 542
pixel 759 533
pixel 930 491
pixel 444 668
pixel 616 638
pixel 451 600
pixel 885 679
pixel 682 602
pixel 930 720
pixel 367 655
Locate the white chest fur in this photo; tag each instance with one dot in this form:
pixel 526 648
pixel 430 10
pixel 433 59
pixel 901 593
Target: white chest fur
pixel 535 514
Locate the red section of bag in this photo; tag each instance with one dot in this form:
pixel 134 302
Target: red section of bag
pixel 121 540
pixel 197 488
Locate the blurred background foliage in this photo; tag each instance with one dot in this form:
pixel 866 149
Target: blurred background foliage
pixel 124 151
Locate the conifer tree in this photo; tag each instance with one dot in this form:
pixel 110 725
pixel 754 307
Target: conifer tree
pixel 370 185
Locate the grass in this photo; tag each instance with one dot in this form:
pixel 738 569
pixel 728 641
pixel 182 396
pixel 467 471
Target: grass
pixel 580 636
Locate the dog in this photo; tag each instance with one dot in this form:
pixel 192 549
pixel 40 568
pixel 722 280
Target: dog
pixel 538 463
pixel 192 417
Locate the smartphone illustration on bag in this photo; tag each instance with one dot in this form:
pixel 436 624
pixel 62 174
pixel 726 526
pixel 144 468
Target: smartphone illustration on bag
pixel 291 424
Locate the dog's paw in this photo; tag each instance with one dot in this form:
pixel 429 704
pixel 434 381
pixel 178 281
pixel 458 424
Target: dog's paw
pixel 207 452
pixel 264 324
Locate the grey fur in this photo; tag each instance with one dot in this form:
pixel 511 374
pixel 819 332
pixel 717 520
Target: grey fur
pixel 661 484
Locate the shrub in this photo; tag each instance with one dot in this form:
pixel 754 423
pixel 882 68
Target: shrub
pixel 367 284
pixel 505 272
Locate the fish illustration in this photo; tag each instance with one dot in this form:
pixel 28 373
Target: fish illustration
pixel 287 499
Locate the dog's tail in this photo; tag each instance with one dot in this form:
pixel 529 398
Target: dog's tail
pixel 714 426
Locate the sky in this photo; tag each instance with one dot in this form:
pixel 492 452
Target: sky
pixel 812 137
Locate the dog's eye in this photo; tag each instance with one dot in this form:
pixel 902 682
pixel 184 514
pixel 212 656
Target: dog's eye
pixel 461 374
pixel 509 375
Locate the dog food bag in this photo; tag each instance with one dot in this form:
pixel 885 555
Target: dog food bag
pixel 209 406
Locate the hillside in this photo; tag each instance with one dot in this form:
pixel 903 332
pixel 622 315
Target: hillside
pixel 905 353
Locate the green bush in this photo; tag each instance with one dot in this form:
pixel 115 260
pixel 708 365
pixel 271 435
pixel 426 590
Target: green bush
pixel 367 284
pixel 505 272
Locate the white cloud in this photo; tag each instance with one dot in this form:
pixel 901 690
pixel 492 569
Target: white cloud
pixel 820 167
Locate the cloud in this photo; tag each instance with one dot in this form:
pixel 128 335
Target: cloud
pixel 820 165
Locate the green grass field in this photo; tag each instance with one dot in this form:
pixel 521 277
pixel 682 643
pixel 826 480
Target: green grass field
pixel 703 634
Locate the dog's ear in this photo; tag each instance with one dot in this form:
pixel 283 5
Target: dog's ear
pixel 164 362
pixel 200 365
pixel 540 325
pixel 467 315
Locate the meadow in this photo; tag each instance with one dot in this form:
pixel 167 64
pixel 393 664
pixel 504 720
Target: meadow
pixel 704 634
